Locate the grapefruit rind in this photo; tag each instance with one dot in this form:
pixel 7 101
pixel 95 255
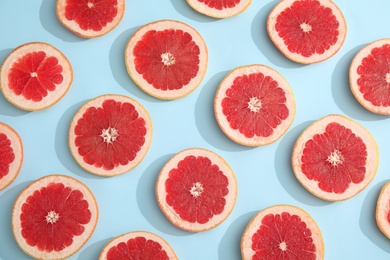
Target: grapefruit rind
pixel 121 169
pixel 170 213
pixel 224 124
pixel 17 147
pixel 283 48
pixel 203 8
pixel 383 209
pixel 147 235
pixel 52 96
pixel 142 83
pixel 78 241
pixel 246 239
pixel 319 127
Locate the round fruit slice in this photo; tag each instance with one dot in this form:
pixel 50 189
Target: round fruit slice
pixel 35 76
pixel 369 77
pixel 110 135
pixel 53 217
pixel 166 59
pixel 382 215
pixel 219 8
pixel 335 158
pixel 254 105
pixel 11 155
pixel 307 31
pixel 282 232
pixel 196 190
pixel 90 18
pixel 137 245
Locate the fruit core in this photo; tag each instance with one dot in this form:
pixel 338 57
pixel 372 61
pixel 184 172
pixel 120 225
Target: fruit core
pixel 335 158
pixel 168 59
pixel 283 246
pixel 90 4
pixel 306 27
pixel 52 217
pixel 388 78
pixel 197 189
pixel 109 135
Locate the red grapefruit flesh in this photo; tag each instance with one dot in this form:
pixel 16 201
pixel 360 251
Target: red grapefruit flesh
pixel 282 232
pixel 219 8
pixel 166 59
pixel 335 158
pixel 382 215
pixel 54 217
pixel 254 105
pixel 369 77
pixel 90 18
pixel 110 135
pixel 11 155
pixel 137 245
pixel 307 31
pixel 35 76
pixel 196 190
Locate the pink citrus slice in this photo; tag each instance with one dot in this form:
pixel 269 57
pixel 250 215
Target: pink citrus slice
pixel 219 8
pixel 382 215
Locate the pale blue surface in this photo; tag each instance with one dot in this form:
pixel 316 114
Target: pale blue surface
pixel 264 175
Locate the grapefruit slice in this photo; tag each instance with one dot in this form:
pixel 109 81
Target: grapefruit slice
pixel 307 31
pixel 282 232
pixel 11 155
pixel 90 18
pixel 54 217
pixel 219 8
pixel 335 158
pixel 382 215
pixel 254 105
pixel 110 135
pixel 137 245
pixel 369 77
pixel 35 76
pixel 196 190
pixel 166 59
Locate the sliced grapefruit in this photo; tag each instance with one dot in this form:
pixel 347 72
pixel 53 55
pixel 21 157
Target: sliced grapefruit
pixel 90 18
pixel 54 217
pixel 307 31
pixel 369 77
pixel 335 158
pixel 110 135
pixel 219 8
pixel 166 59
pixel 11 155
pixel 282 232
pixel 382 215
pixel 137 245
pixel 35 76
pixel 196 190
pixel 254 105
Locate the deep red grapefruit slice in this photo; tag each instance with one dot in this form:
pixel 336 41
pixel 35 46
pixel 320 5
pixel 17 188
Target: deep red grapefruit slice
pixel 196 190
pixel 35 76
pixel 254 105
pixel 382 215
pixel 110 135
pixel 219 8
pixel 53 217
pixel 140 245
pixel 307 31
pixel 369 77
pixel 11 155
pixel 166 59
pixel 90 18
pixel 335 158
pixel 282 232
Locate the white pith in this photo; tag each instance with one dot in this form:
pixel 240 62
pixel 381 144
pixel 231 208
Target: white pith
pixel 90 4
pixel 212 12
pixel 197 189
pixel 254 104
pixel 109 135
pixel 52 217
pixel 335 158
pixel 387 78
pixel 383 209
pixel 283 246
pixel 306 27
pixel 168 59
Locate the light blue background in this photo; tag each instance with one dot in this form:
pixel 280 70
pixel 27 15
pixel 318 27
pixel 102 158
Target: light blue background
pixel 127 202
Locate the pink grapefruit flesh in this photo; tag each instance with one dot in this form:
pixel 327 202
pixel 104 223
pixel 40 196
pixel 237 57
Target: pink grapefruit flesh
pixel 219 8
pixel 382 215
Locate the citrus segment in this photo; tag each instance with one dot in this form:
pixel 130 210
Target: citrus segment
pixel 196 190
pixel 167 59
pixel 382 215
pixel 335 158
pixel 219 8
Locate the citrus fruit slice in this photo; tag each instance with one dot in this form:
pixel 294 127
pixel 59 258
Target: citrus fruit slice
pixel 166 59
pixel 282 232
pixel 90 18
pixel 35 76
pixel 196 190
pixel 219 8
pixel 110 135
pixel 382 215
pixel 254 105
pixel 54 217
pixel 369 77
pixel 307 31
pixel 335 158
pixel 11 155
pixel 137 245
